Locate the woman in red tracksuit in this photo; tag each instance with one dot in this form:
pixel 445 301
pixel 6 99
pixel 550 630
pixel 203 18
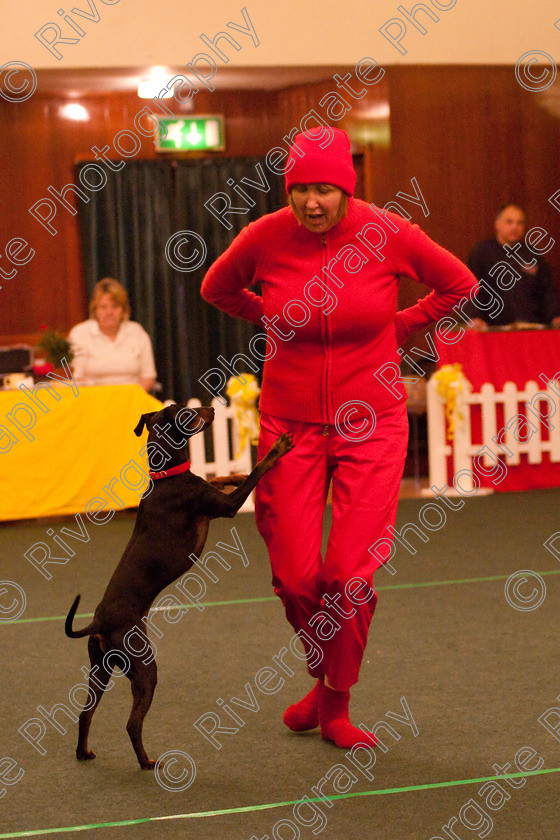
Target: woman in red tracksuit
pixel 328 266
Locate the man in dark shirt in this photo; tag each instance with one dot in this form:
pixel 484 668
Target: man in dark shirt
pixel 533 298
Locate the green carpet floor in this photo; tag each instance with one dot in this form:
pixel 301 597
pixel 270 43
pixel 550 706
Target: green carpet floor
pixel 455 677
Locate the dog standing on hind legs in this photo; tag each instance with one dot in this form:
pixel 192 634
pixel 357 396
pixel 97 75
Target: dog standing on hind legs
pixel 171 527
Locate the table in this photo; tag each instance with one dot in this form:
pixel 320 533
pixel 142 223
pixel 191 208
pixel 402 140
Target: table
pixel 517 356
pixel 497 357
pixel 83 448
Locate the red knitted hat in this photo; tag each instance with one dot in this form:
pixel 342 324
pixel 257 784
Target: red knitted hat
pixel 324 160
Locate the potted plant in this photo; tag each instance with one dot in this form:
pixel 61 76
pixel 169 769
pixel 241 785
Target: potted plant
pixel 55 347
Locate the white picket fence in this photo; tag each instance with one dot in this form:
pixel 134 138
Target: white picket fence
pixel 224 438
pixel 520 432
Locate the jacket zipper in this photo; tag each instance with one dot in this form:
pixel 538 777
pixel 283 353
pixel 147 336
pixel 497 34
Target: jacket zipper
pixel 324 277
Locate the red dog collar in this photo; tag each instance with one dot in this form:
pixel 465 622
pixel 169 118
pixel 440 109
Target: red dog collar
pixel 173 471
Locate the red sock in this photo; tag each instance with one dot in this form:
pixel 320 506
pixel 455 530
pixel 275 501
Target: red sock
pixel 305 715
pixel 335 724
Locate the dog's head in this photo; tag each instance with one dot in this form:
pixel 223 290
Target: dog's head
pixel 169 431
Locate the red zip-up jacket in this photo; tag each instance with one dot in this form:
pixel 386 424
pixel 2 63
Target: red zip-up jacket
pixel 330 301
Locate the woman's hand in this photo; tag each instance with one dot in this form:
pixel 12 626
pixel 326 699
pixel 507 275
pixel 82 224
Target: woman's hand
pixel 478 325
pixel 147 384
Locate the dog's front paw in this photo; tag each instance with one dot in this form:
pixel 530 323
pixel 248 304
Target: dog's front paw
pixel 282 445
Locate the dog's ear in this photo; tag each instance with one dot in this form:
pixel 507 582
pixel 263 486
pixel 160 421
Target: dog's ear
pixel 145 420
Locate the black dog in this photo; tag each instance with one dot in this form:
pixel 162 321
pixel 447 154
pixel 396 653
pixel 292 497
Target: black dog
pixel 171 527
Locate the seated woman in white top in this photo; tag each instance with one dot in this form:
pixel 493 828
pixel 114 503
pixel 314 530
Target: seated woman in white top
pixel 108 348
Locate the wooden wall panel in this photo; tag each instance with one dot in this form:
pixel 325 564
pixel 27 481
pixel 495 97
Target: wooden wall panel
pixel 38 149
pixel 475 140
pixel 454 129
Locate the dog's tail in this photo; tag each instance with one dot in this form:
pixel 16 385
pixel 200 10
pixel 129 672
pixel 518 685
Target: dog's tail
pixel 76 634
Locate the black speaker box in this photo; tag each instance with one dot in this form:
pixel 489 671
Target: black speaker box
pixel 16 359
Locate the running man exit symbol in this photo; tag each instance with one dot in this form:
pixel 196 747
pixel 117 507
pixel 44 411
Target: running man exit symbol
pixel 200 132
pixel 193 137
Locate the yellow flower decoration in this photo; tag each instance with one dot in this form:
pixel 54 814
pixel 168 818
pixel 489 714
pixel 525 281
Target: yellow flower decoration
pixel 243 398
pixel 451 382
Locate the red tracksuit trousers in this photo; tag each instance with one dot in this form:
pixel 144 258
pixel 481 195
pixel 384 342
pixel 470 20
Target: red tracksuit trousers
pixel 324 604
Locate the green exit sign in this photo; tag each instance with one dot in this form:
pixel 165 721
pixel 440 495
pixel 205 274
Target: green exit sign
pixel 185 134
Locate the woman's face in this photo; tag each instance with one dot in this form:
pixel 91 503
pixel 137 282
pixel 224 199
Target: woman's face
pixel 318 207
pixel 108 313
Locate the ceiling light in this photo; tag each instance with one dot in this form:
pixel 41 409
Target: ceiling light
pixel 73 111
pixel 152 88
pixel 379 111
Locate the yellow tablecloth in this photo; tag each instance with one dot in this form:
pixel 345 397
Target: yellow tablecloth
pixel 80 450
